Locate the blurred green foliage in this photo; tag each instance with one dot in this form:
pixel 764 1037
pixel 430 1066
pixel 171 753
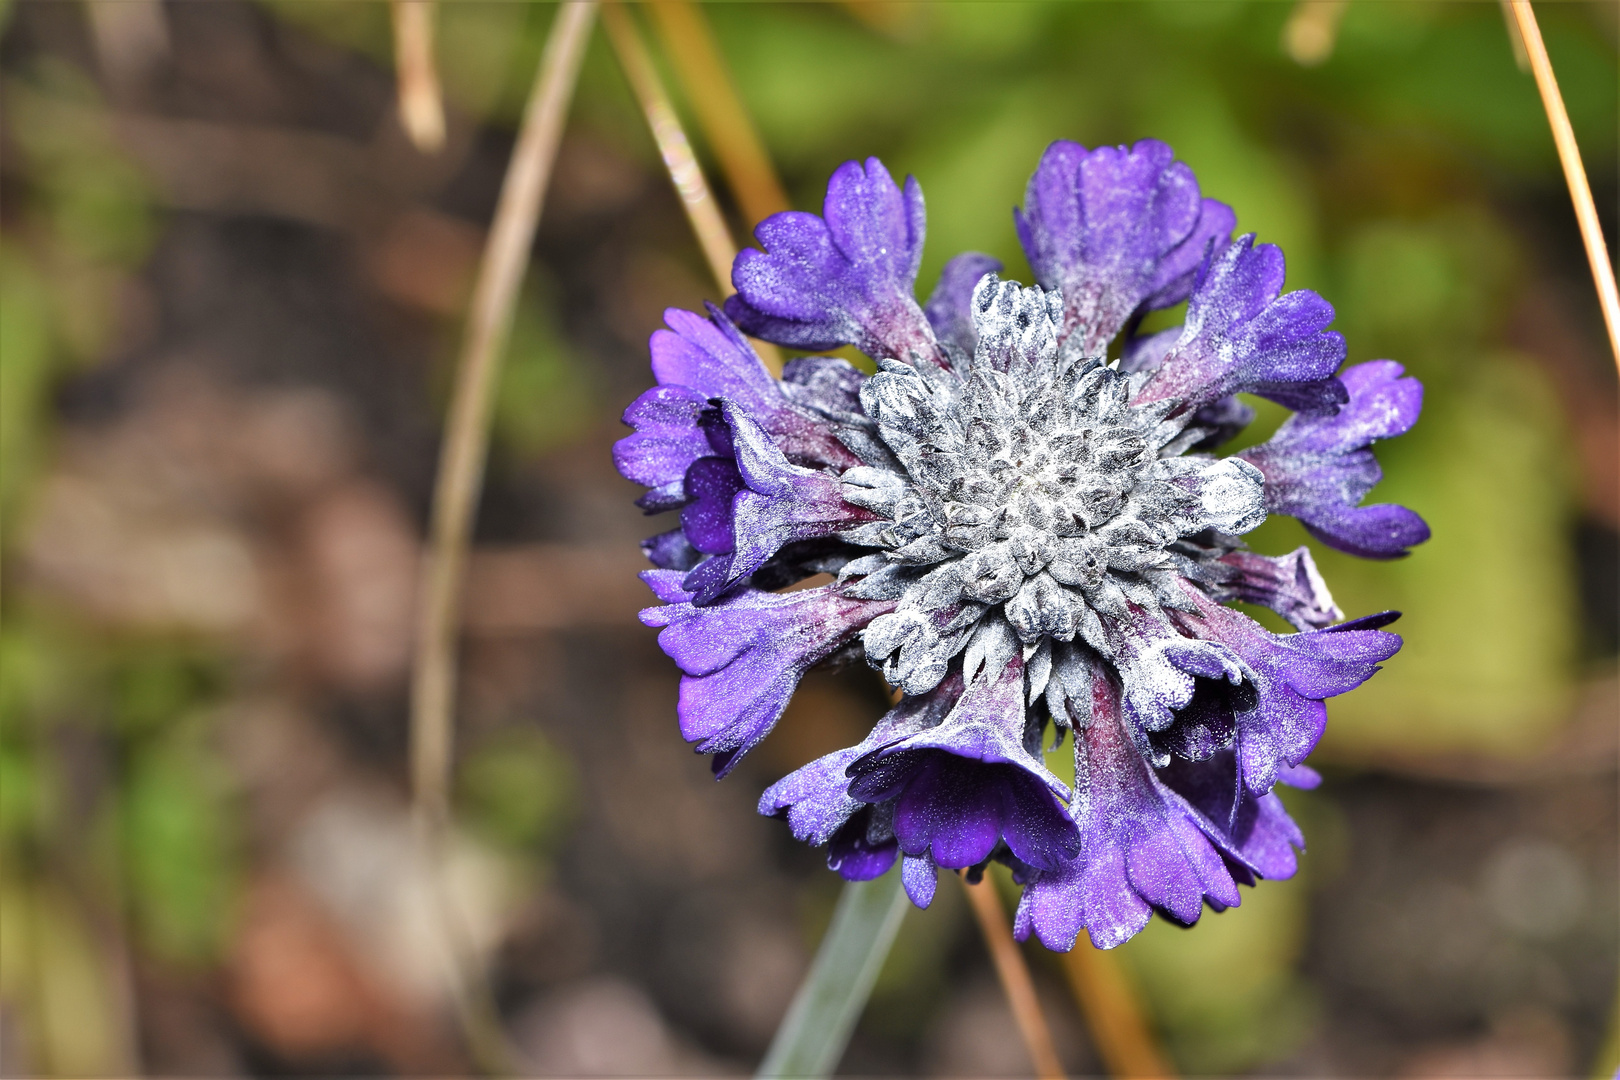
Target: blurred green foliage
pixel 151 846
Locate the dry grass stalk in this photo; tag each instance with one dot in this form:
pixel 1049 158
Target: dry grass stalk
pixel 421 103
pixel 1014 976
pixel 673 146
pixel 1569 155
pixel 707 82
pixel 1118 1030
pixel 461 468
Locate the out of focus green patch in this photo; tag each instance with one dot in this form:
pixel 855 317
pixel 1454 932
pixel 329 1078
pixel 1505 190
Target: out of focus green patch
pixel 177 829
pixel 544 398
pixel 519 791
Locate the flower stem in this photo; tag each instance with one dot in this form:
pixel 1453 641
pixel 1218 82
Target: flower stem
pixel 818 1023
pixel 421 105
pixel 1569 155
pixel 1014 975
pixel 1118 1030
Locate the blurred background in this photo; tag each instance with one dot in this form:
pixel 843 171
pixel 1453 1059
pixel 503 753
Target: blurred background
pixel 232 294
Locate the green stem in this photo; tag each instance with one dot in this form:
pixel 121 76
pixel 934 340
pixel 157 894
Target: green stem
pixel 819 1022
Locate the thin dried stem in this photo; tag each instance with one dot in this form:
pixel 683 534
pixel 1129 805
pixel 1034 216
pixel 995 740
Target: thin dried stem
pixel 455 495
pixel 1521 58
pixel 421 104
pixel 1113 1016
pixel 1569 155
pixel 676 150
pixel 696 199
pixel 1014 975
pixel 726 125
pixel 466 438
pixel 1312 30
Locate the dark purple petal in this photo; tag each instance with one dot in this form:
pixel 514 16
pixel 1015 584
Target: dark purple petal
pixel 1140 850
pixel 846 278
pixel 711 485
pixel 1319 468
pixel 1117 231
pixel 770 503
pixel 815 798
pixel 855 855
pixel 950 306
pixel 1241 335
pixel 963 785
pixel 744 655
pixel 1289 584
pixel 671 551
pixel 1291 675
pixel 1255 830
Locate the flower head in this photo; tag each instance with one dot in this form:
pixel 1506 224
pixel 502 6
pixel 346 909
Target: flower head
pixel 1027 539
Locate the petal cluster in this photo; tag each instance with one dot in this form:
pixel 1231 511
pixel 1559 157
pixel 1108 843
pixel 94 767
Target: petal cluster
pixel 1031 542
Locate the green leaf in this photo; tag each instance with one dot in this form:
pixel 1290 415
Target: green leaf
pixel 829 1002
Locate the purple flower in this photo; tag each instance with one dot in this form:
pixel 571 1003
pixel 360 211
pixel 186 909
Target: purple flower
pixel 1028 541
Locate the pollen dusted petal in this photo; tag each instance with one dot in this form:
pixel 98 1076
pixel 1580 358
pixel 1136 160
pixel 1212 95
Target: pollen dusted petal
pixel 744 655
pixel 1319 468
pixel 1116 230
pixel 1139 848
pixel 949 308
pixel 963 785
pixel 1291 676
pixel 845 278
pixel 1240 334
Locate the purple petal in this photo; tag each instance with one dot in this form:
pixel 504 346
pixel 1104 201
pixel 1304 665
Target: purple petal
pixel 1291 675
pixel 1319 468
pixel 710 356
pixel 845 278
pixel 1117 231
pixel 744 655
pixel 950 307
pixel 919 876
pixel 1290 585
pixel 669 437
pixel 762 504
pixel 711 485
pixel 815 798
pixel 1139 848
pixel 1255 830
pixel 855 855
pixel 963 785
pixel 670 551
pixel 1241 335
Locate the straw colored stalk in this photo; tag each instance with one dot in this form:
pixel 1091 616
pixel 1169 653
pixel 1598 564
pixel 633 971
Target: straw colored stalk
pixel 1014 976
pixel 673 146
pixel 421 103
pixel 1569 155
